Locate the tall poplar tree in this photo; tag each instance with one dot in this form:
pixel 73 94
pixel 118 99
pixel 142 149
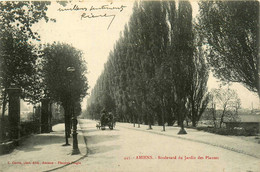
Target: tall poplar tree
pixel 182 53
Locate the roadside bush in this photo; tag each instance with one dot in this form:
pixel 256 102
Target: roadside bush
pixel 56 121
pixel 225 131
pixel 4 133
pixel 29 127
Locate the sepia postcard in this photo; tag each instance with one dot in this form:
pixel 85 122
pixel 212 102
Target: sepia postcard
pixel 129 86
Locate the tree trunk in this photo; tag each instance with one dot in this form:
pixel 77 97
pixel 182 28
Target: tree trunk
pixel 182 126
pixel 150 126
pixel 150 121
pixel 3 115
pixel 222 117
pixel 50 117
pixel 182 130
pixel 194 117
pixel 46 116
pixel 214 115
pixel 134 120
pixel 163 113
pixel 163 122
pixel 194 114
pixel 138 118
pixel 4 104
pixel 67 126
pixel 194 123
pixel 169 117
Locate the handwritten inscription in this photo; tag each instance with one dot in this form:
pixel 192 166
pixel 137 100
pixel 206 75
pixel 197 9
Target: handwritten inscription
pixel 103 11
pixel 84 15
pixel 93 8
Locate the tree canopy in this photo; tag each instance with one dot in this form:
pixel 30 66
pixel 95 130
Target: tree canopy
pixel 63 85
pixel 18 56
pixel 152 68
pixel 231 33
pixel 22 15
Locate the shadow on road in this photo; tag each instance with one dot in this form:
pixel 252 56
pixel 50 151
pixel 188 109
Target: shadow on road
pixel 30 143
pixel 101 149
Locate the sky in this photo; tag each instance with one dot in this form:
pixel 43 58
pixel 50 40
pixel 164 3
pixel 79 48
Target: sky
pixel 91 35
pixel 96 40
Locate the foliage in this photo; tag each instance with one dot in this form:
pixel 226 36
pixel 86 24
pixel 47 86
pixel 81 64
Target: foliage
pixel 231 32
pixel 64 86
pixel 182 55
pixel 29 127
pixel 225 131
pixel 17 55
pixel 198 97
pixel 22 15
pixel 149 74
pixel 18 60
pixel 226 99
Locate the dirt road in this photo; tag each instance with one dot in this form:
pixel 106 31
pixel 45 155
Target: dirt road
pixel 124 149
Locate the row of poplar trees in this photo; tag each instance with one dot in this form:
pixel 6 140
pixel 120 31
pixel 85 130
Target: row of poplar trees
pixel 156 72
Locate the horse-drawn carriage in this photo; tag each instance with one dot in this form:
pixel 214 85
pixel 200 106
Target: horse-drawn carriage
pixel 107 119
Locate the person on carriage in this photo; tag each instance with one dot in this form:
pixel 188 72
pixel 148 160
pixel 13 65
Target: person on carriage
pixel 111 118
pixel 103 118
